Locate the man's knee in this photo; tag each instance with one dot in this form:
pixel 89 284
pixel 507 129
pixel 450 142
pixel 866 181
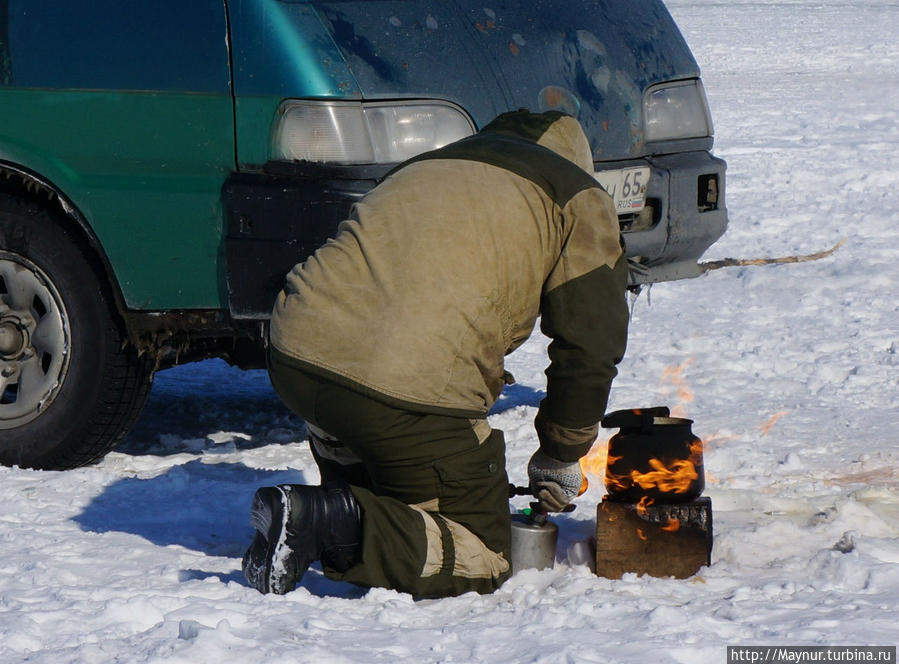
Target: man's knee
pixel 454 551
pixel 474 491
pixel 467 526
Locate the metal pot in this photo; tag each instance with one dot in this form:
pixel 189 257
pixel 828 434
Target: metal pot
pixel 653 457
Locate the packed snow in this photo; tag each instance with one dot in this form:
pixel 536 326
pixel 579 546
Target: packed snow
pixel 790 373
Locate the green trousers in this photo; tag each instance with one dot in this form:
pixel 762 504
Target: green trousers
pixel 433 489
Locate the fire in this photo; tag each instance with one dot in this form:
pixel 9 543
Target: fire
pixel 711 442
pixel 670 479
pixel 677 476
pixel 615 482
pixel 672 526
pixel 594 462
pixel 645 502
pixel 672 380
pixel 674 478
pixel 716 440
pixel 766 427
pixel 584 486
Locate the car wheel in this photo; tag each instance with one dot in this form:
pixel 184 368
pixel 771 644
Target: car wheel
pixel 69 384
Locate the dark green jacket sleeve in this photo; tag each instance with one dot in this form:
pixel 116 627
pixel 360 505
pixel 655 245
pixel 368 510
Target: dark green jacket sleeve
pixel 586 318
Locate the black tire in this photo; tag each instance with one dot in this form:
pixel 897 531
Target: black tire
pixel 70 386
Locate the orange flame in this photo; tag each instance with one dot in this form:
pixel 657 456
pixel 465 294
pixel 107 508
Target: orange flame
pixel 615 482
pixel 584 486
pixel 716 440
pixel 672 380
pixel 712 442
pixel 766 427
pixel 594 462
pixel 677 477
pixel 674 478
pixel 672 526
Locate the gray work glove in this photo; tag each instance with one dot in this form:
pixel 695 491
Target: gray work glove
pixel 555 483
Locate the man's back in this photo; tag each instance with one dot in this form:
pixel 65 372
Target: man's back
pixel 442 269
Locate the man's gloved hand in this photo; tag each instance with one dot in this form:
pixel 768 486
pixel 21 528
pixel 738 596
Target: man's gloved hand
pixel 554 483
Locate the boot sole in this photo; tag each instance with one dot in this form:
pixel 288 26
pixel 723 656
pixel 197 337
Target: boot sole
pixel 269 515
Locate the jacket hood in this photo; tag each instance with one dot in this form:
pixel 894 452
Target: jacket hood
pixel 554 130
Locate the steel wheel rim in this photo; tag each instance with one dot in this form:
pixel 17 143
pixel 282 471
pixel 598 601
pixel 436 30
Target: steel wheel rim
pixel 35 341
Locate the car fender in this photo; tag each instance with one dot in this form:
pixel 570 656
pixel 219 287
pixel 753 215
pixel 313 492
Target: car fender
pixel 17 177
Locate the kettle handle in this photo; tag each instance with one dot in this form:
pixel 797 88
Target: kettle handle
pixel 634 417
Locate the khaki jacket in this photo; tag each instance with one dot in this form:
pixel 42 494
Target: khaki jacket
pixel 444 268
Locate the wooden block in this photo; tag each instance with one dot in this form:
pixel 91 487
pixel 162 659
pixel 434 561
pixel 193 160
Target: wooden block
pixel 659 539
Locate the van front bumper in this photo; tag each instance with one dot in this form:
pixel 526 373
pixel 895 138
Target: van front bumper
pixel 684 215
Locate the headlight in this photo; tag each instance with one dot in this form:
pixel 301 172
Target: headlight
pixel 676 110
pixel 347 132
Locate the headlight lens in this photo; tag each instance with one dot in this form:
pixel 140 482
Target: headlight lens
pixel 677 110
pixel 347 132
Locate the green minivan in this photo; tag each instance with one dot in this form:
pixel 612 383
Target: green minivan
pixel 164 164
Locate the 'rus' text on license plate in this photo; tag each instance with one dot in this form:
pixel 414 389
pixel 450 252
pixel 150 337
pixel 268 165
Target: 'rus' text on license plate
pixel 626 186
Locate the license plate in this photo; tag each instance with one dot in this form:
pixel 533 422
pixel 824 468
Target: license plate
pixel 626 186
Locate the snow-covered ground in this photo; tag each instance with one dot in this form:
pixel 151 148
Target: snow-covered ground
pixel 790 372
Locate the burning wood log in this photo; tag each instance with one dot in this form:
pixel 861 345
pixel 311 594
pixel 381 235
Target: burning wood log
pixel 655 539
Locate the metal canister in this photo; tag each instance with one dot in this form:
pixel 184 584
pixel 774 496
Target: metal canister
pixel 533 542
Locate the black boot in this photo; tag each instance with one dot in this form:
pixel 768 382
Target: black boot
pixel 297 524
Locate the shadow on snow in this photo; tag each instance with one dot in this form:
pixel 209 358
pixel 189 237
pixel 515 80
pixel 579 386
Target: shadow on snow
pixel 202 507
pixel 517 395
pixel 190 402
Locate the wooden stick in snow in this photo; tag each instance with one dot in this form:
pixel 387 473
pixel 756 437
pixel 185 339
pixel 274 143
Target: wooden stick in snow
pixel 737 262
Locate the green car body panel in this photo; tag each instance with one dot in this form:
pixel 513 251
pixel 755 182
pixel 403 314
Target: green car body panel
pixel 151 196
pixel 142 155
